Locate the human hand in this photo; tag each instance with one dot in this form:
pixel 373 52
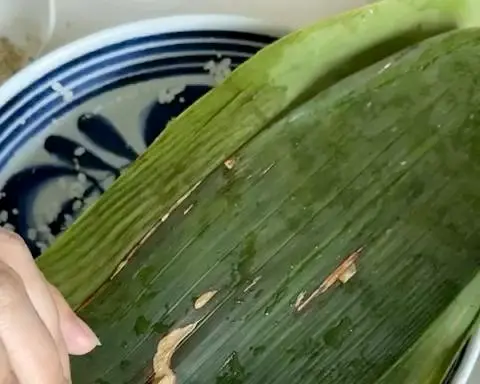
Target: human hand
pixel 38 330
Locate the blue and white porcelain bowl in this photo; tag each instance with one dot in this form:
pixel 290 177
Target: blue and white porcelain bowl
pixel 74 120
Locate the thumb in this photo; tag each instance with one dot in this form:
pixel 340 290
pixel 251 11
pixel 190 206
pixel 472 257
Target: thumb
pixel 78 336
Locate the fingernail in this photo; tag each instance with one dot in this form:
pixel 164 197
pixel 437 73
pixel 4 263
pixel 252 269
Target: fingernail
pixel 87 332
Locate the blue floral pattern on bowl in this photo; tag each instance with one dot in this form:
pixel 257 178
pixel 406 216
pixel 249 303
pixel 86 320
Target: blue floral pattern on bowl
pixel 86 121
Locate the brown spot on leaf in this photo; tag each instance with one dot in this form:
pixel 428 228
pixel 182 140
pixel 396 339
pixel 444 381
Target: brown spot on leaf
pixel 229 163
pixel 299 300
pixel 345 271
pixel 266 170
pixel 348 273
pixel 252 284
pixel 188 209
pixel 203 299
pixel 165 350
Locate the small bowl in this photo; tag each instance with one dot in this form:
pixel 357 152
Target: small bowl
pixel 74 119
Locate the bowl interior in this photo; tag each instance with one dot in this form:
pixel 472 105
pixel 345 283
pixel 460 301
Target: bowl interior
pixel 74 120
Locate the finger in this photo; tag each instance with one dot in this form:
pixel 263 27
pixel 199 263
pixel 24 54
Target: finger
pixel 78 336
pixel 63 355
pixel 16 255
pixel 31 350
pixel 6 374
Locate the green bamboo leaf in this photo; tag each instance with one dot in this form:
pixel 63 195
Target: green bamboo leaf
pixel 254 97
pixel 336 240
pixel 314 219
pixel 435 351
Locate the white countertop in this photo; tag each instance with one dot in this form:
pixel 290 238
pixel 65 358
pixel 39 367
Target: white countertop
pixel 76 18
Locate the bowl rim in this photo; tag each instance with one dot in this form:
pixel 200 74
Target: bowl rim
pixel 148 27
pixel 470 362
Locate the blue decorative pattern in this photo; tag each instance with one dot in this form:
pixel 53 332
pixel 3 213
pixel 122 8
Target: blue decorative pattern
pixel 81 110
pixel 158 115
